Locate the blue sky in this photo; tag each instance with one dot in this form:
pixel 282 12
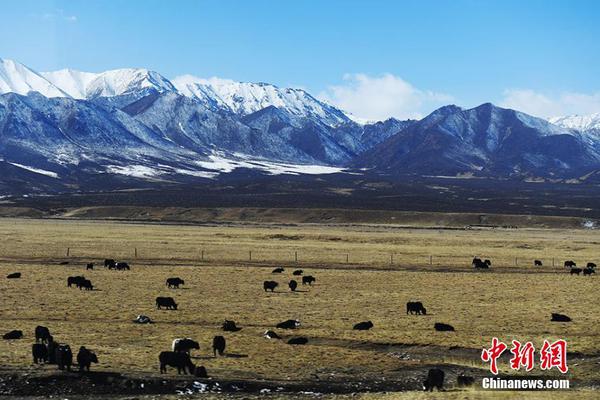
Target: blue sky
pixel 376 58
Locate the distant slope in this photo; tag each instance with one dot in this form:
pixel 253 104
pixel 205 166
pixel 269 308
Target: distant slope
pixel 486 140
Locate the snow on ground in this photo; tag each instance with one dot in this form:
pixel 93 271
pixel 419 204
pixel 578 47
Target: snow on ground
pixel 36 170
pixel 218 162
pixel 199 174
pixel 137 171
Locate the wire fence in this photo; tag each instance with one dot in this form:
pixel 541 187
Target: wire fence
pixel 280 256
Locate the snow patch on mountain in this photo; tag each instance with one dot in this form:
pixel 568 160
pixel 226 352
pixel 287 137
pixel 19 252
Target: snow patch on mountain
pixel 136 171
pixel 36 170
pixel 218 162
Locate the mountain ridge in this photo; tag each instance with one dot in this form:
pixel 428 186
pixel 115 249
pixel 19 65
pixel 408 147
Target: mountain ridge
pixel 134 126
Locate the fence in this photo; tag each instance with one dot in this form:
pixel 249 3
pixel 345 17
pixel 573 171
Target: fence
pixel 255 255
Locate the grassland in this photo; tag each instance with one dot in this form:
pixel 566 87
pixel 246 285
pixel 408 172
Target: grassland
pixel 508 302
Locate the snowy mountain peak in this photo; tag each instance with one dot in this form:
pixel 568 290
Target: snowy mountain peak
pixel 246 98
pixel 85 85
pixel 578 122
pixel 124 81
pixel 17 78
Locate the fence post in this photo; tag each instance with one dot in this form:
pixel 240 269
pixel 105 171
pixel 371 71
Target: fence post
pixel 392 259
pixel 552 261
pixel 202 255
pixel 347 258
pixel 430 260
pixel 516 262
pixel 250 255
pixel 135 252
pixel 296 256
pixel 68 251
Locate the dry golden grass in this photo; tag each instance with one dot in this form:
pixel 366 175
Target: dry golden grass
pixel 507 302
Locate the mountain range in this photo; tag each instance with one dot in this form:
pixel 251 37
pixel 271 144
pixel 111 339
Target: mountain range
pixel 77 131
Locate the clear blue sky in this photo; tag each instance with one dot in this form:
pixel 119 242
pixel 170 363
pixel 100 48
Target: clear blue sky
pixel 472 51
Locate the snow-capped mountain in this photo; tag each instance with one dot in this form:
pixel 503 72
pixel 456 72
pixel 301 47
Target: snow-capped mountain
pixel 72 130
pixel 17 78
pixel 581 123
pixel 86 85
pixel 246 98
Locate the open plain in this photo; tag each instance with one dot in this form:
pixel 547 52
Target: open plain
pixel 363 272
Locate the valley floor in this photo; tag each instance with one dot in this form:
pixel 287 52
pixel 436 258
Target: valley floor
pixel 363 273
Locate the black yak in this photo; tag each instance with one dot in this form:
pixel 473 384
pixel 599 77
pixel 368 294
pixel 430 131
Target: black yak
pixel 363 326
pixel 181 361
pixel 270 285
pixel 218 345
pixel 85 358
pixel 435 379
pixel 166 302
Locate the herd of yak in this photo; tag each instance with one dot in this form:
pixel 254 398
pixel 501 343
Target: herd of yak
pixel 46 350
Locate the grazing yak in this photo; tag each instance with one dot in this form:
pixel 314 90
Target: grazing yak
pixel 64 356
pixel 575 271
pixel 13 335
pixel 42 334
pixel 142 319
pixel 122 266
pixel 588 271
pixel 14 275
pixel 293 285
pixel 289 324
pixel 463 380
pixel 184 345
pixel 537 263
pixel 85 358
pixel 478 264
pixel 435 379
pixel 278 270
pixel 74 280
pixel 175 282
pixel 110 263
pixel 415 307
pixel 308 279
pixel 85 284
pixel 181 361
pixel 89 266
pixel 271 335
pixel 218 345
pixel 270 285
pixel 591 265
pixel 363 326
pixel 559 318
pixel 570 264
pixel 39 352
pixel 166 302
pixel 297 272
pixel 230 326
pixel 438 326
pixel 298 340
